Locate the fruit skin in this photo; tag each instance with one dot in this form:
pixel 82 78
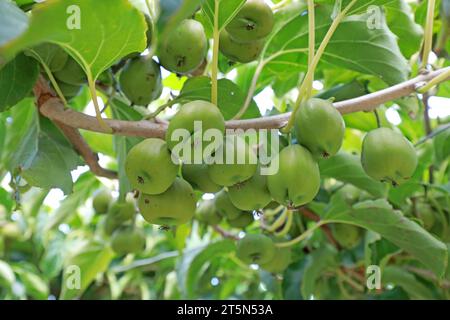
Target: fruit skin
pixel 350 193
pixel 118 213
pixel 69 91
pixel 388 156
pixel 425 213
pixel 320 127
pixel 230 174
pixel 128 240
pixel 253 22
pixel 243 221
pixel 297 181
pixel 206 212
pixel 140 80
pixel 225 207
pixel 185 47
pixel 72 73
pixel 280 261
pixel 174 207
pixel 255 249
pixel 251 194
pixel 197 176
pixel 149 167
pixel 348 236
pixel 101 201
pixel 204 112
pixel 240 51
pixel 11 230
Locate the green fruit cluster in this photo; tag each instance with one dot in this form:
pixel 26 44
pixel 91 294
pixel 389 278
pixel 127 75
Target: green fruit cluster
pixel 243 38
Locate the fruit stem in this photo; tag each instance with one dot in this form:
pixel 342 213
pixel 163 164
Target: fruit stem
pixel 94 97
pixel 428 42
pixel 302 94
pixel 312 41
pixel 301 237
pixel 287 224
pixel 377 117
pixel 215 62
pixel 152 13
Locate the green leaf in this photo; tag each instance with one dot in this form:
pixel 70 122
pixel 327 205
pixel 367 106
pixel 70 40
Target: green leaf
pixel 17 79
pixel 83 189
pixel 380 217
pixel 230 100
pixel 192 264
pixel 400 19
pixel 228 9
pixel 13 22
pixel 347 168
pixel 112 28
pixel 401 277
pixel 92 260
pixel 354 46
pixel 7 277
pixel 35 286
pixel 320 260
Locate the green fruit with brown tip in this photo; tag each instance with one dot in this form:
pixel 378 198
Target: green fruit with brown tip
pixel 243 52
pixel 320 127
pixel 297 180
pixel 251 194
pixel 102 201
pixel 175 206
pixel 149 166
pixel 184 48
pixel 225 207
pixel 197 176
pixel 255 249
pixel 128 240
pixel 243 221
pixel 72 73
pixel 234 162
pixel 280 262
pixel 190 124
pixel 253 22
pixel 388 156
pixel 348 236
pixel 206 212
pixel 140 80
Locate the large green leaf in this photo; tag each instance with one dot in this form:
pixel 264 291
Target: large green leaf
pixel 347 168
pixel 380 217
pixel 192 262
pixel 400 19
pixel 90 261
pixel 409 283
pixel 353 46
pixel 320 260
pixel 17 79
pixel 44 157
pixel 112 29
pixel 230 99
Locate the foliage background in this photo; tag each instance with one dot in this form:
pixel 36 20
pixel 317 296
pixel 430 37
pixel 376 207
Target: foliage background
pixel 47 223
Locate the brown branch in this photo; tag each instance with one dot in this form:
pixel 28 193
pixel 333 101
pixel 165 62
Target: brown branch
pixel 225 233
pixel 54 110
pixel 44 94
pixel 429 275
pixel 316 218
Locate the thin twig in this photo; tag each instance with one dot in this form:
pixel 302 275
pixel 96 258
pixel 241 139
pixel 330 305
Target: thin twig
pixel 325 228
pixel 41 90
pixel 225 233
